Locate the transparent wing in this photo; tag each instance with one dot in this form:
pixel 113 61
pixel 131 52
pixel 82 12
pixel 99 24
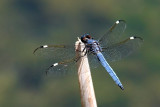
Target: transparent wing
pixel 62 67
pixel 122 49
pixel 114 34
pixel 55 51
pixel 63 55
pixel 93 61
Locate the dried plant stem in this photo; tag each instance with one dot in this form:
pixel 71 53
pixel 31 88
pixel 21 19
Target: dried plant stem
pixel 88 98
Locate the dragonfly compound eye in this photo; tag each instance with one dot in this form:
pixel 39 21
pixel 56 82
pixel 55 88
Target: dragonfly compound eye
pixel 88 36
pixel 85 37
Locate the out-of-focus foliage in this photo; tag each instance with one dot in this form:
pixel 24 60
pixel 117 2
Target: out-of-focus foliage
pixel 26 24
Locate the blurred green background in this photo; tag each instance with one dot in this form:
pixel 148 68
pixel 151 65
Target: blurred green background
pixel 26 24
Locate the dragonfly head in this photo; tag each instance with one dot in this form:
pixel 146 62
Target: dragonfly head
pixel 85 38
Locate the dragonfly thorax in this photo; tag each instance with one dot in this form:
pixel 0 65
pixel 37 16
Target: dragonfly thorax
pixel 91 45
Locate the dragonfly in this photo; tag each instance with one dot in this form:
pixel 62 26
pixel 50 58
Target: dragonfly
pixel 112 46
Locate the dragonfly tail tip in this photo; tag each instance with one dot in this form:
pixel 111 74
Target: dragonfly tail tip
pixel 121 87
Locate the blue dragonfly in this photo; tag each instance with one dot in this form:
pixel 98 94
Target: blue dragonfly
pixel 109 47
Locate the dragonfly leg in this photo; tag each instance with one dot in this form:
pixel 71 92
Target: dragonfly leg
pixel 85 53
pixel 82 50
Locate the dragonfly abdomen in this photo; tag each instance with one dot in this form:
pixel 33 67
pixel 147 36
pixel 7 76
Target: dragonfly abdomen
pixel 109 69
